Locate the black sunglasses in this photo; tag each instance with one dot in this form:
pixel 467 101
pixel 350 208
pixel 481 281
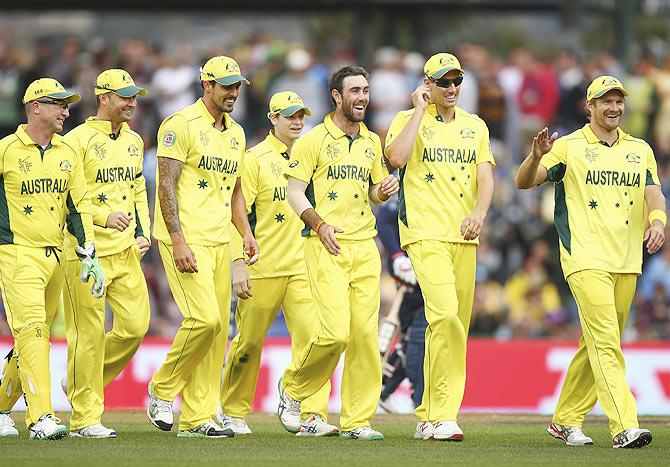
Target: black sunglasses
pixel 62 104
pixel 446 82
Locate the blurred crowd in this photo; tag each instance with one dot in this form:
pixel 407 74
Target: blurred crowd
pixel 520 289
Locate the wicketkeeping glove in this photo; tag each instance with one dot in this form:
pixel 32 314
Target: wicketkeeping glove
pixel 90 266
pixel 403 270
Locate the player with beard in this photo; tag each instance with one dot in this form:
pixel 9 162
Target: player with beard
pixel 334 169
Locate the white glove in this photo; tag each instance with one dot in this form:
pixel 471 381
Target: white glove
pixel 90 266
pixel 403 270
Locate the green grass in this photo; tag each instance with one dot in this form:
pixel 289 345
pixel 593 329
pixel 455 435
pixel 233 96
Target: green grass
pixel 489 439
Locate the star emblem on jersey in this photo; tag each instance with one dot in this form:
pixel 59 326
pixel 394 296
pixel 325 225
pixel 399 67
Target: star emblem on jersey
pixel 102 198
pixel 124 197
pixel 428 132
pixel 25 165
pixel 100 151
pixel 332 195
pixel 202 184
pixel 332 151
pixel 453 179
pixel 28 210
pixel 277 169
pixel 617 205
pixel 593 204
pixel 204 138
pixel 591 155
pixel 280 218
pixel 429 177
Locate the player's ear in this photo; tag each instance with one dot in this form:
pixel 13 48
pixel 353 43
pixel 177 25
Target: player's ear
pixel 273 118
pixel 337 97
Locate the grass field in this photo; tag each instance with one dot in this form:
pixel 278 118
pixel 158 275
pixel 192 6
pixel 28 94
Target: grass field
pixel 489 439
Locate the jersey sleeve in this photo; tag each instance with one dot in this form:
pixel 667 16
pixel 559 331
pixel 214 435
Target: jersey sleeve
pixel 484 153
pixel 379 170
pixel 556 161
pixel 79 219
pixel 142 221
pixel 652 170
pixel 249 174
pixel 304 159
pixel 173 138
pixel 399 122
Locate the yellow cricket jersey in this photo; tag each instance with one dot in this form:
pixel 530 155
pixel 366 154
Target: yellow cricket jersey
pixel 438 185
pixel 599 210
pixel 212 161
pixel 339 171
pixel 42 189
pixel 113 168
pixel 275 225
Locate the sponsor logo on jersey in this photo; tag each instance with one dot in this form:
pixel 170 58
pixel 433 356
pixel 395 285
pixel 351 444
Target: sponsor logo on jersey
pixel 370 153
pixel 115 174
pixel 591 155
pixel 169 138
pixel 218 164
pixel 100 151
pixel 25 165
pixel 633 158
pixel 133 150
pixel 293 164
pixel 332 150
pixel 428 132
pixel 612 178
pixel 277 169
pixel 204 138
pixel 43 185
pixel 348 172
pixel 459 155
pixel 234 144
pixel 66 166
pixel 468 133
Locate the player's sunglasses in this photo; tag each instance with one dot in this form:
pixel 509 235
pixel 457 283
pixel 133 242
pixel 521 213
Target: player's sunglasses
pixel 446 82
pixel 61 104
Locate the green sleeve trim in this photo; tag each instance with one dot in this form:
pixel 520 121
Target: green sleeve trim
pixel 561 216
pixel 309 193
pixel 556 173
pixel 402 207
pixel 252 219
pixel 74 224
pixel 6 234
pixel 650 178
pixel 139 231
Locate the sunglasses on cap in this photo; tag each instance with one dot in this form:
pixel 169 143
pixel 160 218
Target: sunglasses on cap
pixel 446 82
pixel 61 104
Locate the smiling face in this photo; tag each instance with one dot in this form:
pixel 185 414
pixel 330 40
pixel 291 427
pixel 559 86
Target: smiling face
pixel 50 113
pixel 444 98
pixel 288 128
pixel 354 98
pixel 223 97
pixel 606 111
pixel 117 109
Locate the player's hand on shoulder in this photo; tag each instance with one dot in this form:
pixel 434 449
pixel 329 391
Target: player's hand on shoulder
pixel 421 97
pixel 472 225
pixel 241 281
pixel 143 244
pixel 184 258
pixel 655 237
pixel 542 143
pixel 327 236
pixel 119 221
pixel 389 187
pixel 403 270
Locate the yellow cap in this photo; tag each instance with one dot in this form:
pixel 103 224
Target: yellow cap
pixel 119 82
pixel 49 87
pixel 603 84
pixel 287 103
pixel 440 64
pixel 224 70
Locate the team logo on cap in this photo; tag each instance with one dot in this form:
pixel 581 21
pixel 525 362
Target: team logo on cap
pixel 633 158
pixel 294 99
pixel 234 144
pixel 125 77
pixel 591 155
pixel 100 151
pixel 332 151
pixel 169 138
pixel 66 166
pixel 232 67
pixel 446 60
pixel 608 81
pixel 133 150
pixel 25 165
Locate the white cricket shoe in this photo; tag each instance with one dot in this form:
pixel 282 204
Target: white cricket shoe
pixel 7 427
pixel 363 433
pixel 316 426
pixel 288 411
pixel 238 425
pixel 424 430
pixel 572 435
pixel 632 438
pixel 447 430
pixel 209 429
pixel 160 412
pixel 94 431
pixel 47 427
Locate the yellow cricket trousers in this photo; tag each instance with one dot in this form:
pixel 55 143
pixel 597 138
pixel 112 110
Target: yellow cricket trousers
pixel 598 370
pixel 10 383
pixel 194 364
pixel 254 317
pixel 345 290
pixel 446 273
pixel 25 273
pixel 95 358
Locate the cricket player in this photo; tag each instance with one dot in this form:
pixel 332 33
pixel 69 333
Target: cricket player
pixel 335 169
pixel 603 177
pixel 112 156
pixel 42 190
pixel 200 151
pixel 446 179
pixel 279 278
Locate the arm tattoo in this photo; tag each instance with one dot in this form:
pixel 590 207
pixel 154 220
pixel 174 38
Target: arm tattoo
pixel 311 218
pixel 169 171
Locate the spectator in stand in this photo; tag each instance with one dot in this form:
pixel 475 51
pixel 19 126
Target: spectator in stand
pixel 388 92
pixel 570 114
pixel 175 80
pixel 641 101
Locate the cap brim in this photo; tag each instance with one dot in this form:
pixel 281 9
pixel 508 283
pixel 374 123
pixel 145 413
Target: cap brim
pixel 228 80
pixel 288 111
pixel 602 92
pixel 131 91
pixel 69 97
pixel 440 73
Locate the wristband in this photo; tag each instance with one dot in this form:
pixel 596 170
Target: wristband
pixel 658 215
pixel 318 226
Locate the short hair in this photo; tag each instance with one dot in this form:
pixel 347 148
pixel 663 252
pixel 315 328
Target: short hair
pixel 336 81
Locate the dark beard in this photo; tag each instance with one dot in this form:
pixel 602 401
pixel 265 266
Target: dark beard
pixel 348 112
